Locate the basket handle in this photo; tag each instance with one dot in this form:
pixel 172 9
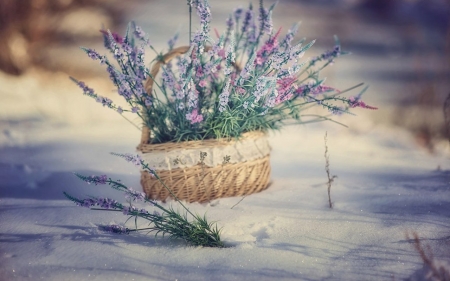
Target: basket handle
pixel 145 137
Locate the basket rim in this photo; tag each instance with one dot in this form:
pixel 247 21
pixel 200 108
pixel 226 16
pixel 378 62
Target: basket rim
pixel 168 146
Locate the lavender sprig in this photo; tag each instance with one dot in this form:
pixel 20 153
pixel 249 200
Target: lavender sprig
pixel 197 231
pixel 211 90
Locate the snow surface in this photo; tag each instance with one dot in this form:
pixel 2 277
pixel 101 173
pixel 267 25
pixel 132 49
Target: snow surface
pixel 386 186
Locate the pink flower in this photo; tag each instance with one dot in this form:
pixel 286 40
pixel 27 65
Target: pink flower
pixel 321 89
pixel 199 72
pixel 355 102
pixel 119 39
pixel 267 49
pixel 284 89
pixel 240 90
pixel 203 83
pixel 221 53
pixel 194 117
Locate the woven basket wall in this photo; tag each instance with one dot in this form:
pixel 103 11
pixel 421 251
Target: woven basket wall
pixel 202 183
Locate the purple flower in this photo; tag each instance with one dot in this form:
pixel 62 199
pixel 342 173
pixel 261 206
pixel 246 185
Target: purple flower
pixel 321 89
pixel 270 47
pixel 134 109
pixel 199 40
pixel 118 54
pixel 173 41
pixel 251 34
pixel 87 203
pixel 169 79
pixel 134 195
pixel 115 36
pixel 265 19
pixel 329 55
pixel 104 101
pixel 261 87
pixel 92 53
pixel 230 57
pixel 192 95
pixel 131 210
pixel 140 34
pixel 247 70
pixel 180 95
pixel 111 41
pixel 223 97
pixel 148 101
pixel 143 212
pixel 135 159
pixel 114 228
pixel 139 64
pixel 107 203
pixel 286 43
pixel 95 179
pixel 127 48
pixel 247 19
pixel 356 102
pixel 230 22
pixel 204 13
pixel 125 90
pixel 86 90
pixel 238 13
pixel 336 110
pixel 271 100
pixel 183 64
pixel 120 110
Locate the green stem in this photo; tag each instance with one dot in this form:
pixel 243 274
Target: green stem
pixel 190 22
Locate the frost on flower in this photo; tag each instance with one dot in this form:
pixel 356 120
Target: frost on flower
pixel 230 57
pixel 223 97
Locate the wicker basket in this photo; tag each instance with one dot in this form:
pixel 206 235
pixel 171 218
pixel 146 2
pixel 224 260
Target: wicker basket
pixel 180 167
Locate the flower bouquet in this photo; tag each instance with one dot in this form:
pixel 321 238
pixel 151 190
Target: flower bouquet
pixel 204 121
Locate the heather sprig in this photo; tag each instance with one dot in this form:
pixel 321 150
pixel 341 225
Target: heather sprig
pixel 250 78
pixel 192 228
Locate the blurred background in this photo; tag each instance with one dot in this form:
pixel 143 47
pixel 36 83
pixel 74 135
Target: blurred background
pixel 400 48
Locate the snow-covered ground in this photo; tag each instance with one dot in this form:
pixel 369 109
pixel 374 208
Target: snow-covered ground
pixel 387 186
